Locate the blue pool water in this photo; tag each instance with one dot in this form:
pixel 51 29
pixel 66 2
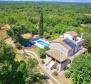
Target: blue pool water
pixel 43 43
pixel 35 39
pixel 29 44
pixel 38 40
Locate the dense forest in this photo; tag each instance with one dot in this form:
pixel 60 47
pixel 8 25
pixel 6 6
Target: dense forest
pixel 54 19
pixel 58 17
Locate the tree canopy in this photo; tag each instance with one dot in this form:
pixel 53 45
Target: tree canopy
pixel 81 69
pixel 14 72
pixel 87 42
pixel 48 18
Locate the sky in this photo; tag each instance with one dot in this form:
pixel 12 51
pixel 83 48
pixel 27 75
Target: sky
pixel 83 1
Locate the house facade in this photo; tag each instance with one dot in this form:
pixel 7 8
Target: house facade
pixel 74 39
pixel 61 49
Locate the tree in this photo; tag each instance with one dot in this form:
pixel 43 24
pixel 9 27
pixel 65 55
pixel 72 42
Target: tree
pixel 18 45
pixel 81 69
pixel 16 31
pixel 8 67
pixel 14 72
pixel 87 43
pixel 11 20
pixel 43 52
pixel 86 19
pixel 41 31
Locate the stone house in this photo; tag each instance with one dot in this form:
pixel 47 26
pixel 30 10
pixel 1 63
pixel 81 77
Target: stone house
pixel 62 49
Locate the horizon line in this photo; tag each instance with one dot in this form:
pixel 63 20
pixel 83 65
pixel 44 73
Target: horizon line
pixel 42 1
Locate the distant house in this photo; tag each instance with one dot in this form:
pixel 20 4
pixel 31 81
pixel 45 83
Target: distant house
pixel 62 49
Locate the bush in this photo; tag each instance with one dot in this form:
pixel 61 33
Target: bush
pixel 55 73
pixel 43 62
pixel 18 45
pixel 43 52
pixel 67 74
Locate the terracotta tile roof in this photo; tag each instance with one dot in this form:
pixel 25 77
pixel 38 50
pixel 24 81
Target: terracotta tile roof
pixel 61 41
pixel 72 33
pixel 57 55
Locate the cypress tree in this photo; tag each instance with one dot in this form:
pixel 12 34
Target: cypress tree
pixel 41 25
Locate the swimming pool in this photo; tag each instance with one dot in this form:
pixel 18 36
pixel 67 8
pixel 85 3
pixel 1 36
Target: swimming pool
pixel 40 42
pixel 35 39
pixel 43 43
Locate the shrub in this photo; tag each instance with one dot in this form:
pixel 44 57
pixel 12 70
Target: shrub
pixel 43 62
pixel 18 45
pixel 43 52
pixel 67 74
pixel 55 73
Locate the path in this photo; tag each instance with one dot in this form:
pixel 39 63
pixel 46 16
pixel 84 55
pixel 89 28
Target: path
pixel 33 55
